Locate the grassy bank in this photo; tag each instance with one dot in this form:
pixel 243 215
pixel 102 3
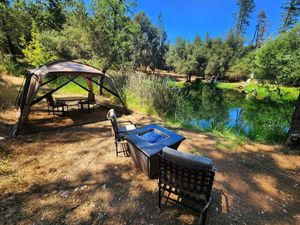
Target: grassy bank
pixel 289 93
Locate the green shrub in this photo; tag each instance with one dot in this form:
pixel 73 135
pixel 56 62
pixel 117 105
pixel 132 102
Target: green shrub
pixel 9 66
pixel 278 60
pixel 36 52
pixel 241 68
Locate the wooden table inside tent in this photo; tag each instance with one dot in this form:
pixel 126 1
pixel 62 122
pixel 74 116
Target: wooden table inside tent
pixel 71 98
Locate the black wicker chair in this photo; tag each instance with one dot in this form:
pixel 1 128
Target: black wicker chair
pixel 90 101
pixel 186 179
pixel 119 132
pixel 54 106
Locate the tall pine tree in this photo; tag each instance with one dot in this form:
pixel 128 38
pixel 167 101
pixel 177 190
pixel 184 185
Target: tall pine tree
pixel 246 7
pixel 291 13
pixel 260 29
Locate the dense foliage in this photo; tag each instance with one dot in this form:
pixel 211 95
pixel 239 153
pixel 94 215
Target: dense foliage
pixel 107 34
pixel 278 60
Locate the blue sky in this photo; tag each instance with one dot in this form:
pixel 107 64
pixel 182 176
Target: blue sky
pixel 186 18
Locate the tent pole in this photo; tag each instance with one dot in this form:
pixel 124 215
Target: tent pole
pixel 25 91
pixel 81 86
pixel 18 99
pixel 49 93
pixel 103 87
pixel 21 102
pixel 48 81
pixel 117 95
pixel 123 103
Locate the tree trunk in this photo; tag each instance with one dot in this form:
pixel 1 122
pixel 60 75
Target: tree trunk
pixel 188 78
pixel 294 131
pixel 101 79
pixel 101 83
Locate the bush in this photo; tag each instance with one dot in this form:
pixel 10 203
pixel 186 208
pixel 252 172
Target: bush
pixel 9 66
pixel 278 60
pixel 35 52
pixel 241 68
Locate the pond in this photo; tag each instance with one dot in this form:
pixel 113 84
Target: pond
pixel 211 109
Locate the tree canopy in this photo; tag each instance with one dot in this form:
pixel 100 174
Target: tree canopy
pixel 111 35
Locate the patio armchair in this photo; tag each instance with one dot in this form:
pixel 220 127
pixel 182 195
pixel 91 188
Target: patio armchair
pixel 186 179
pixel 90 101
pixel 54 106
pixel 119 132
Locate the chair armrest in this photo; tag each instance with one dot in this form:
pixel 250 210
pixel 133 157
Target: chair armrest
pixel 126 121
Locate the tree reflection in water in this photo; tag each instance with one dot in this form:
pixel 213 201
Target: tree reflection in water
pixel 209 108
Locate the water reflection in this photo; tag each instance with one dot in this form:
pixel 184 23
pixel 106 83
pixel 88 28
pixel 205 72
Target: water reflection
pixel 210 108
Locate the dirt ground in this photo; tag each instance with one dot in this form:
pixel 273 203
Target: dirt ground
pixel 72 176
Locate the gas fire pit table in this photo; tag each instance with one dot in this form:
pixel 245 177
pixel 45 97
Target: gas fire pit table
pixel 146 142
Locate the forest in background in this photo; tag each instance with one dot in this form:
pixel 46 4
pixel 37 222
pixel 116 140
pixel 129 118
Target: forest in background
pixel 109 35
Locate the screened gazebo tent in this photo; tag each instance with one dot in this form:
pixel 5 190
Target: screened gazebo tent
pixel 34 81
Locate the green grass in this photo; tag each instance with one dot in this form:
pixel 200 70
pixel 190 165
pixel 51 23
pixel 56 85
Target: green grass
pixel 70 88
pixel 229 86
pixel 289 93
pixel 176 84
pixel 136 103
pixel 233 139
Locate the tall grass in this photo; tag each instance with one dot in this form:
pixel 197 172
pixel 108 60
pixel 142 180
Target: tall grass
pixel 151 94
pixel 8 94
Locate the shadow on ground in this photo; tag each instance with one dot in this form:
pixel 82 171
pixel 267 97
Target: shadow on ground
pixel 72 176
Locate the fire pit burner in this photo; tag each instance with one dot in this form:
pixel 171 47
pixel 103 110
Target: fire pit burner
pixel 152 136
pixel 146 142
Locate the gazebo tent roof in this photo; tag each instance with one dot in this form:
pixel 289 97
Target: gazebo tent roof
pixel 34 80
pixel 66 67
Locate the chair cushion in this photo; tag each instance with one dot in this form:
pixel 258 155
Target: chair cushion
pixel 186 159
pixel 126 128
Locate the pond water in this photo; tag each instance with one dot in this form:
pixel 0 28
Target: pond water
pixel 209 108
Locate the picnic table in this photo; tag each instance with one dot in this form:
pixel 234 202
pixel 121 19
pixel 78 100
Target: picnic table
pixel 71 98
pixel 77 99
